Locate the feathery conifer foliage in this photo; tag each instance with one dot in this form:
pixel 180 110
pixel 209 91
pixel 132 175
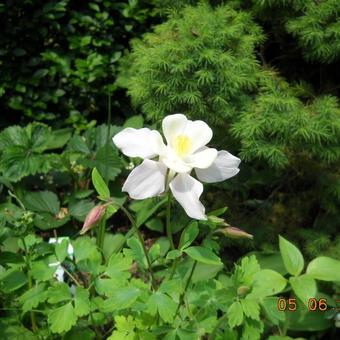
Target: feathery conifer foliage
pixel 199 61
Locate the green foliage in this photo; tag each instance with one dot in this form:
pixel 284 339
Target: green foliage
pixel 65 65
pixel 201 60
pixel 318 30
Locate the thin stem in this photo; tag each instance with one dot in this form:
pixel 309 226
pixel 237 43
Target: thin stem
pixel 30 283
pixel 173 269
pixel 181 298
pixel 72 277
pixel 168 225
pixel 101 233
pixel 212 336
pixel 140 237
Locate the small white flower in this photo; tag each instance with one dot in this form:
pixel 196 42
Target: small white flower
pixel 185 150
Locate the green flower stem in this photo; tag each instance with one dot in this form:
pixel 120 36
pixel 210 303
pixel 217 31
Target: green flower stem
pixel 223 318
pixel 141 240
pixel 101 233
pixel 168 225
pixel 30 283
pixel 181 298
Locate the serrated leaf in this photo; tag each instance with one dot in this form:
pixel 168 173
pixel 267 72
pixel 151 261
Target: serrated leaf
pixel 42 201
pixel 81 302
pixel 121 298
pixel 79 209
pixel 58 292
pixel 235 314
pixel 203 255
pixel 137 250
pixel 61 250
pixel 251 308
pixel 62 319
pixel 291 256
pixel 165 306
pixel 32 297
pixel 41 271
pixel 188 235
pixel 100 185
pixel 304 287
pixel 119 266
pixel 324 268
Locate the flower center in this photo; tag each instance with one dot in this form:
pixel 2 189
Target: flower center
pixel 182 145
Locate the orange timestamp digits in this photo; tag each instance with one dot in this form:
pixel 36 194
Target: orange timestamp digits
pixel 313 305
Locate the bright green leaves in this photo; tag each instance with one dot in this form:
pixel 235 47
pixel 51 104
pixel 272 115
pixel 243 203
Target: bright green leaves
pixel 32 297
pixel 267 282
pixel 292 257
pixel 121 298
pixel 251 308
pixel 188 235
pixel 164 305
pixel 235 314
pixel 62 319
pixel 12 279
pixel 100 185
pixel 304 287
pixel 203 255
pixel 81 302
pixel 324 268
pixel 119 265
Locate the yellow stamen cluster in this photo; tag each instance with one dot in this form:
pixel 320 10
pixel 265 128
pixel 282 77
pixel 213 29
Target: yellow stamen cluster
pixel 182 145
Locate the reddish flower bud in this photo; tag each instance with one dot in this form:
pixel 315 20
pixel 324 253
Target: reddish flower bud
pixel 92 218
pixel 234 232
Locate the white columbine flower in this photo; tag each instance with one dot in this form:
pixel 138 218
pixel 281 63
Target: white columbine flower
pixel 185 150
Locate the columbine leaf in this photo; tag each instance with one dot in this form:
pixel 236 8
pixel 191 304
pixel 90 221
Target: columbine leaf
pixel 121 298
pixel 235 314
pixel 32 297
pixel 165 306
pixel 291 256
pixel 62 319
pixel 81 302
pixel 59 292
pixel 203 255
pixel 251 308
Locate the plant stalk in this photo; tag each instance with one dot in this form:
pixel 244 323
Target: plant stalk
pixel 141 240
pixel 168 225
pixel 30 283
pixel 212 336
pixel 181 298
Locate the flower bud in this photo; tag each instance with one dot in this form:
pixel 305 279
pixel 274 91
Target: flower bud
pixel 234 232
pixel 243 291
pixel 92 218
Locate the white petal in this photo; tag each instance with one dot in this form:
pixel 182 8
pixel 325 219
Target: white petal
pixel 173 125
pixel 174 162
pixel 202 159
pixel 144 143
pixel 146 180
pixel 224 167
pixel 187 192
pixel 199 133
